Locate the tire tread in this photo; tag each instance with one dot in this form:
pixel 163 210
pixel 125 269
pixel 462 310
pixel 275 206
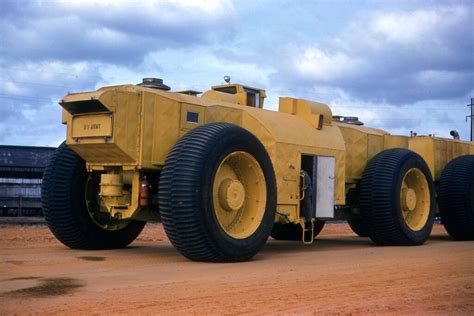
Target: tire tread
pixel 57 198
pixel 377 200
pixel 455 202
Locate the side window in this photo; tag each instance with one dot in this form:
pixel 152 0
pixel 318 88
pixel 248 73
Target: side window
pixel 253 98
pixel 230 90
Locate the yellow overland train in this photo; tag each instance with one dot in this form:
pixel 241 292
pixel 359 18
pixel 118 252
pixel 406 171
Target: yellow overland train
pixel 223 174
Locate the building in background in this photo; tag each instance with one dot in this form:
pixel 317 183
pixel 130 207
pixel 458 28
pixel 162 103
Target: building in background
pixel 21 170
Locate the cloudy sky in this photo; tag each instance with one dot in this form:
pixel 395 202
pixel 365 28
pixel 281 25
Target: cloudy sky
pixel 398 65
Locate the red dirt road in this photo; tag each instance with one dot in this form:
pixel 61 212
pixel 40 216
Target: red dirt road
pixel 339 273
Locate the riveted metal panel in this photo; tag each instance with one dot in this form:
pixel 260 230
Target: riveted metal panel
pixel 374 145
pixel 356 151
pixel 395 141
pixel 438 152
pixel 192 116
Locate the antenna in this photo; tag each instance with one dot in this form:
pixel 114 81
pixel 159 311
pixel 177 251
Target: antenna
pixel 472 118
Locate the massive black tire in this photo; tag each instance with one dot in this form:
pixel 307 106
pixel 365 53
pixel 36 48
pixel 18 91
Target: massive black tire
pixel 456 198
pixel 186 198
pixel 381 198
pixel 353 217
pixel 64 206
pixel 357 226
pixel 293 231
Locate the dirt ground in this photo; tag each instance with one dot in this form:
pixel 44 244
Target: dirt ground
pixel 339 273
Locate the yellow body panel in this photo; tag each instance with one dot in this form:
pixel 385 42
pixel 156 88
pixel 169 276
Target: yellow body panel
pixel 138 126
pixel 437 152
pixel 363 143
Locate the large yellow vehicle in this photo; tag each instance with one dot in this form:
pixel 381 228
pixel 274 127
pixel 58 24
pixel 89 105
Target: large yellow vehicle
pixel 223 174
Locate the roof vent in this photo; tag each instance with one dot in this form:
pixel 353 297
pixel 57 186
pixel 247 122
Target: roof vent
pixel 154 83
pixel 454 134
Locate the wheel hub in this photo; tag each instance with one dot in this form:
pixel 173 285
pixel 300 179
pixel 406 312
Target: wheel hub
pixel 410 199
pixel 231 195
pixel 239 195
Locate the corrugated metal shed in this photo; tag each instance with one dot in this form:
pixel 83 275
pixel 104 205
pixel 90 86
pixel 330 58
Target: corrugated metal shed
pixel 21 170
pixel 23 161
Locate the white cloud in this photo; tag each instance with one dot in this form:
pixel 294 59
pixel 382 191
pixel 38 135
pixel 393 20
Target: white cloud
pixel 411 28
pixel 47 80
pixel 30 114
pixel 438 77
pixel 404 28
pixel 427 117
pixel 10 87
pixel 396 56
pixel 326 67
pixel 396 69
pixel 181 72
pixel 109 31
pixel 155 8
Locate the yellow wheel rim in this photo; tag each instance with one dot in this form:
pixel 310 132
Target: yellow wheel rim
pixel 239 195
pixel 415 199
